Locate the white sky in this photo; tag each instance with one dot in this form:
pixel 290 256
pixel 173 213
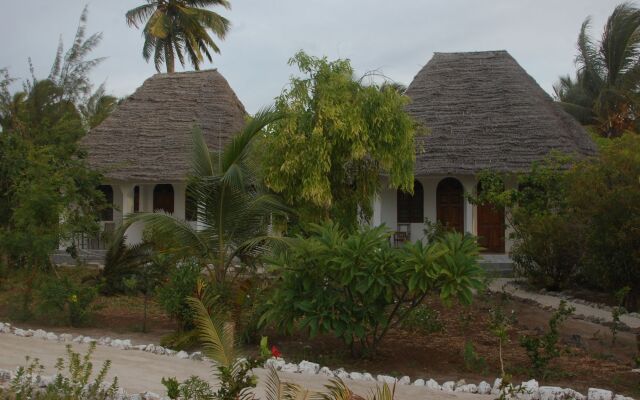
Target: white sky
pixel 395 37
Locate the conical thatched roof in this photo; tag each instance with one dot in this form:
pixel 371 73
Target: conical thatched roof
pixel 148 137
pixel 484 111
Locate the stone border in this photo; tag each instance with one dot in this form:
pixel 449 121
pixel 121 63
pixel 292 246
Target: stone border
pixel 531 390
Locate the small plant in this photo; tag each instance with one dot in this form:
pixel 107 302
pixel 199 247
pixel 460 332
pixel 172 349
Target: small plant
pixel 473 361
pixel 423 319
pixel 499 325
pixel 618 311
pixel 172 296
pixel 64 299
pixel 542 349
pixel 75 384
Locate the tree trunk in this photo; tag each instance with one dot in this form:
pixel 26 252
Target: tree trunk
pixel 168 58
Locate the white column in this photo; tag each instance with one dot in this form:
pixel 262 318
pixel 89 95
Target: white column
pixel 134 232
pixel 376 219
pixel 179 200
pixel 469 187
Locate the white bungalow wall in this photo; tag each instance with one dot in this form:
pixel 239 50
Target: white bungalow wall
pixel 385 206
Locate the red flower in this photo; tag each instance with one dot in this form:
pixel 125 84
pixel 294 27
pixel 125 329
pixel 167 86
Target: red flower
pixel 275 352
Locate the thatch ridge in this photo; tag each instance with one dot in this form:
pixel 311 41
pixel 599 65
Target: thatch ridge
pixel 483 111
pixel 148 137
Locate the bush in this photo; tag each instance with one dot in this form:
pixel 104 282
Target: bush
pixel 356 286
pixel 423 319
pixel 65 299
pixel 605 195
pixel 75 384
pixel 172 296
pixel 543 349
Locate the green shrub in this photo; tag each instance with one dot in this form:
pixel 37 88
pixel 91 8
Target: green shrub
pixel 472 361
pixel 423 319
pixel 180 284
pixel 356 286
pixel 76 383
pixel 65 299
pixel 542 349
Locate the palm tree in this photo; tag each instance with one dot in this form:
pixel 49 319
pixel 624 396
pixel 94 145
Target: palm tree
pixel 174 27
pixel 604 92
pixel 233 209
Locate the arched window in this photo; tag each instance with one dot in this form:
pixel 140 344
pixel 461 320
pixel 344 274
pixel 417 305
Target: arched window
pixel 106 214
pixel 411 207
pixel 136 199
pixel 163 198
pixel 450 204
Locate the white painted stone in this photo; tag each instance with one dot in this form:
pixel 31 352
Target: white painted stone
pixel 150 348
pixel 105 340
pixel 341 373
pixel 169 352
pixel 326 371
pixel 621 397
pixel 433 384
pixel 276 363
pixel 467 388
pixel 5 328
pixel 66 337
pixel 599 394
pixel 368 377
pixel 386 378
pixel 196 355
pixel 448 386
pixel 405 380
pixel 495 390
pixel 550 393
pixel 52 336
pixel 572 394
pixel 22 333
pixel 158 350
pixel 289 367
pixel 356 376
pixel 151 396
pixel 135 396
pixel 88 339
pixel 530 390
pixel 139 347
pixel 418 382
pixel 78 339
pixel 183 355
pixel 308 367
pixel 484 388
pixel 40 334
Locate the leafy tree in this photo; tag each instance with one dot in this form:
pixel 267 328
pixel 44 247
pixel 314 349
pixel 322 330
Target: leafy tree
pixel 174 27
pixel 233 210
pixel 98 107
pixel 326 157
pixel 357 287
pixel 604 92
pixel 47 193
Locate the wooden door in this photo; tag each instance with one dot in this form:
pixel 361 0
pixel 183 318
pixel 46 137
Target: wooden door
pixel 450 204
pixel 490 228
pixel 163 198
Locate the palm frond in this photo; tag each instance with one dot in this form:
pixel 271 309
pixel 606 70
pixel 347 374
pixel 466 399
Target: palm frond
pixel 214 336
pixel 139 14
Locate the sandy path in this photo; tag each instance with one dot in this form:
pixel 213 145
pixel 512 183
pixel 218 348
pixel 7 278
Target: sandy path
pixel 507 284
pixel 140 371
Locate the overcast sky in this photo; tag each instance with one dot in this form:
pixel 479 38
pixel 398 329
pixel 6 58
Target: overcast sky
pixel 395 37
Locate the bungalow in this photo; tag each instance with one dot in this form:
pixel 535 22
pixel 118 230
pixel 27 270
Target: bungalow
pixel 481 109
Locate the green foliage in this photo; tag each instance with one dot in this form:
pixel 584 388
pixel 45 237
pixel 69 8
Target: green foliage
pixel 64 299
pixel 193 388
pixel 605 88
pixel 499 325
pixel 75 383
pixel 473 361
pixel 424 319
pixel 605 197
pixel 618 311
pixel 326 157
pixel 173 295
pixel 234 209
pixel 42 168
pixel 433 230
pixel 541 350
pixel 547 247
pixel 179 26
pixel 356 286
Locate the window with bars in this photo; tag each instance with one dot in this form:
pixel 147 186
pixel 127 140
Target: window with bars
pixel 411 207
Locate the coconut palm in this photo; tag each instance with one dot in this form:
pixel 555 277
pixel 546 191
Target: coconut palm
pixel 604 92
pixel 233 210
pixel 174 27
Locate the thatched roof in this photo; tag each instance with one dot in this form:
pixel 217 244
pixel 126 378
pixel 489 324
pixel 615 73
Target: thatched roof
pixel 483 111
pixel 148 137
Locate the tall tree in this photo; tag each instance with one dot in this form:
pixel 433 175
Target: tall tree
pixel 605 92
pixel 327 156
pixel 174 27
